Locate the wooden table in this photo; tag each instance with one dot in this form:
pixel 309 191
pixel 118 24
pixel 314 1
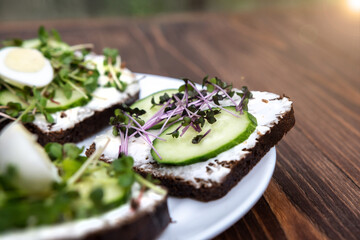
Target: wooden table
pixel 309 54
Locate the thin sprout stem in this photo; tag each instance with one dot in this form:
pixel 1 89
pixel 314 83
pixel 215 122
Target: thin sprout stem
pixel 239 107
pixel 224 92
pixel 155 116
pixel 82 46
pixel 80 79
pixel 26 111
pixel 113 74
pixel 168 119
pixel 143 131
pixel 199 102
pixel 85 64
pixel 126 138
pixel 184 130
pixel 13 92
pixel 196 127
pixel 174 122
pixel 182 105
pixel 148 141
pixel 186 94
pixel 138 125
pixel 98 97
pixel 95 156
pixel 228 111
pixel 9 88
pixel 207 132
pixel 130 117
pixel 201 96
pixel 77 89
pixel 7 116
pixel 75 71
pixel 122 140
pixel 150 185
pixel 44 90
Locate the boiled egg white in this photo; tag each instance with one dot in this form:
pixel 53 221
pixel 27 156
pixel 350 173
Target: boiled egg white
pixel 25 67
pixel 19 148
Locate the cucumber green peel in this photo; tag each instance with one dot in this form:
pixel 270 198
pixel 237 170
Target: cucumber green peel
pixel 227 132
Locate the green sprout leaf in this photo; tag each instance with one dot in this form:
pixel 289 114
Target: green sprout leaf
pixel 43 35
pixel 13 109
pixel 126 179
pixel 54 150
pixel 96 196
pixel 72 151
pixel 27 118
pixel 111 55
pixel 91 84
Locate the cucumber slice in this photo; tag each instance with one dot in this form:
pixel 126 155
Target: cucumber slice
pixel 6 97
pixel 227 132
pixel 35 43
pixel 60 102
pixel 112 191
pixel 31 43
pixel 146 105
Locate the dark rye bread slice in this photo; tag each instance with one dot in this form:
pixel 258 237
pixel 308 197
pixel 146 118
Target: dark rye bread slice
pixel 176 178
pixel 238 169
pixel 146 222
pixel 81 130
pixel 146 225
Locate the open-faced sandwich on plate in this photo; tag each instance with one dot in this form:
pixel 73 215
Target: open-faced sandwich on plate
pixel 60 92
pixel 198 142
pixel 54 193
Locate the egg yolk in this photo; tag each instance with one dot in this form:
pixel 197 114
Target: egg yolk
pixel 24 60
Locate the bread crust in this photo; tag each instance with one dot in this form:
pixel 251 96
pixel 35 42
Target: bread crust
pixel 147 225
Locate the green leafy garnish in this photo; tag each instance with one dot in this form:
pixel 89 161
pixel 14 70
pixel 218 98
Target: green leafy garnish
pixel 89 187
pixel 190 106
pixel 72 73
pixel 110 55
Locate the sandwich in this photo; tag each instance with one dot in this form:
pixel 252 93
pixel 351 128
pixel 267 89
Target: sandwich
pixel 199 143
pixel 60 92
pixel 55 193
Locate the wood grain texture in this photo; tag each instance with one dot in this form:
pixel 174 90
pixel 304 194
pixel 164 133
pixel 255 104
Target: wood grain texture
pixel 310 54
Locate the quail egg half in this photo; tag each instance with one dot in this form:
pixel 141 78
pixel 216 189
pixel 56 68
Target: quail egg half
pixel 25 67
pixel 18 148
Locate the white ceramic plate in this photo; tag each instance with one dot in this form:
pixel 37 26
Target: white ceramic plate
pixel 198 220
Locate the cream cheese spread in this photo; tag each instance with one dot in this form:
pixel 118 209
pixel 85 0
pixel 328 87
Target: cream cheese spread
pixel 268 108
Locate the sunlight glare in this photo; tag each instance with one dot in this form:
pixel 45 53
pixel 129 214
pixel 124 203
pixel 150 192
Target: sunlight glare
pixel 354 4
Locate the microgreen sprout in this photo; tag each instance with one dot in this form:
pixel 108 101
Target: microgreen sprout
pixel 69 200
pixel 192 107
pixel 73 72
pixel 95 156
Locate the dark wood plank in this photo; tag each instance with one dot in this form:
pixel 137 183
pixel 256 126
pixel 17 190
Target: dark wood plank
pixel 310 54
